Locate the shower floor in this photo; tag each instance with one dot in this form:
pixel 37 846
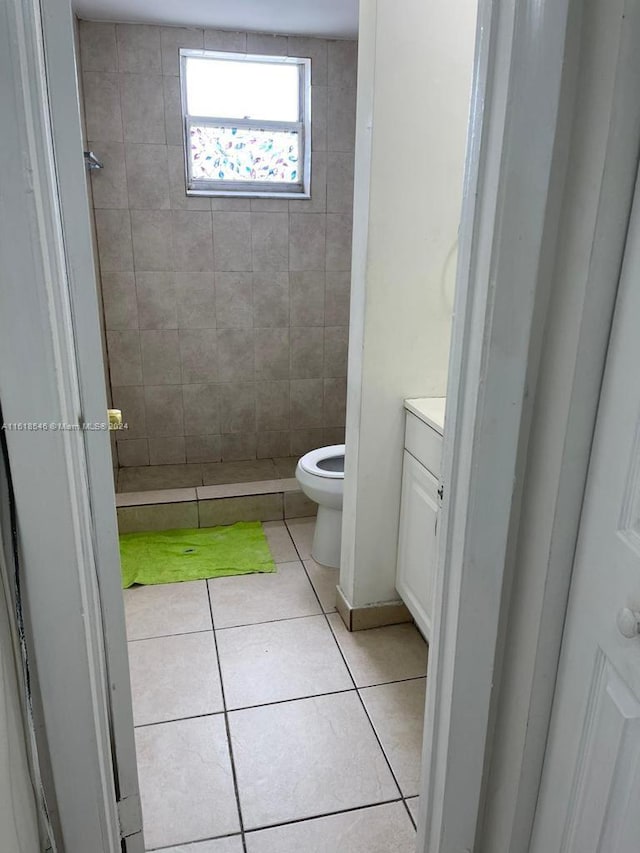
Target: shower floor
pixel 156 477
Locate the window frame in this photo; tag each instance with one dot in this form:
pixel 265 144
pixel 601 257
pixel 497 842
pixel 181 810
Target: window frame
pixel 250 189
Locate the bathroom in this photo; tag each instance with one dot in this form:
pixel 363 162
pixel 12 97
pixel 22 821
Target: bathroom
pixel 230 326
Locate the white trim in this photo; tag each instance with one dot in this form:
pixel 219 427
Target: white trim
pixel 532 168
pixel 39 382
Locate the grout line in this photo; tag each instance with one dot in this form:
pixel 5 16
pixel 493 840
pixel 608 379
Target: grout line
pixel 185 844
pixel 228 731
pixel 323 815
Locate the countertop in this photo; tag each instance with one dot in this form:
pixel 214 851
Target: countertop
pixel 431 410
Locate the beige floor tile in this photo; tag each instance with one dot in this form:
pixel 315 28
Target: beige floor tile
pixel 217 845
pixel 280 542
pixel 325 581
pixel 286 465
pixel 155 496
pixel 380 655
pixel 414 806
pixel 216 473
pixel 248 599
pixel 380 829
pixel 174 677
pixel 301 530
pixel 159 477
pixel 186 783
pixel 171 608
pixel 306 758
pixel 397 713
pixel 275 661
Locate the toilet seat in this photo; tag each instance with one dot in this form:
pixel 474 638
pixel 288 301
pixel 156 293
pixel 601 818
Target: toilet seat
pixel 311 461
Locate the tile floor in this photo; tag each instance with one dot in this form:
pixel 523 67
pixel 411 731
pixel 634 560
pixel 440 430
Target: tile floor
pixel 263 725
pixel 152 477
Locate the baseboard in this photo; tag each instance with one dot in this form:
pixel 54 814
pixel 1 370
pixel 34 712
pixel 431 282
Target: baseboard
pixel 372 616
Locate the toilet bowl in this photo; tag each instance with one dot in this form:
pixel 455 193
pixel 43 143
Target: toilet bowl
pixel 320 474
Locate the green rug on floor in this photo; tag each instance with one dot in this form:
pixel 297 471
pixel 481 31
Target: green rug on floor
pixel 169 556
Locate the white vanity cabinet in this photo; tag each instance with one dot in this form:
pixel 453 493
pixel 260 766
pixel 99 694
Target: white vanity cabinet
pixel 419 508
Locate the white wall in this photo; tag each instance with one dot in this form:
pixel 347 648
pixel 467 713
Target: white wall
pixel 414 79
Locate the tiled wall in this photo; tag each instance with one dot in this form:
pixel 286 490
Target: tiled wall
pixel 226 319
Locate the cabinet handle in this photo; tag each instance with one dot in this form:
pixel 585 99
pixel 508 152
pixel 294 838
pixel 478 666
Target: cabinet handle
pixel 628 622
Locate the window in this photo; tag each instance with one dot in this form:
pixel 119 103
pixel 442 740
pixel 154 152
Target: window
pixel 247 124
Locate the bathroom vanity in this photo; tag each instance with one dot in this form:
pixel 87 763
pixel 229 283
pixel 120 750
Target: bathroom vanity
pixel 420 506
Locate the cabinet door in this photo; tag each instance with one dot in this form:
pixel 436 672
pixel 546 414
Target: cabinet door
pixel 417 541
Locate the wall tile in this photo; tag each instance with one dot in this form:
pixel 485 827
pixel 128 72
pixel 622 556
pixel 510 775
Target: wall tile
pixel 192 245
pixel 199 356
pixel 173 126
pixel 138 519
pixel 157 301
pixel 307 352
pixel 138 48
pixel 333 435
pixel 343 63
pixel 273 444
pixel 306 403
pixel 336 298
pixel 163 410
pixel 341 119
pixel 250 508
pixel 336 342
pixel 237 407
pixel 119 301
pixel 340 184
pixel 102 112
pixel 234 300
pixel 178 198
pixel 235 354
pixel 267 44
pixel 151 230
pixel 316 50
pixel 196 296
pixel 98 46
pixel 335 402
pixel 270 241
pixel 298 505
pixel 167 451
pixel 109 185
pixel 307 298
pixel 225 40
pixel 230 205
pixel 142 101
pixel 147 176
pixel 172 39
pixel 270 300
pixel 338 241
pixel 201 409
pixel 269 205
pixel 160 357
pixel 131 402
pixel 125 362
pixel 319 118
pixel 307 236
pixel 272 405
pixel 133 453
pixel 113 231
pixel 271 347
pixel 318 201
pixel 304 440
pixel 237 446
pixel 203 448
pixel 232 241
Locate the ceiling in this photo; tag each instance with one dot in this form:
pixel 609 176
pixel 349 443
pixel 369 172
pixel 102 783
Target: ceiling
pixel 329 18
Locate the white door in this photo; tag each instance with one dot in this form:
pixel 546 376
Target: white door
pixel 590 795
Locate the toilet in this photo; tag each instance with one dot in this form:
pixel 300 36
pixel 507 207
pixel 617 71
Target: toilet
pixel 320 474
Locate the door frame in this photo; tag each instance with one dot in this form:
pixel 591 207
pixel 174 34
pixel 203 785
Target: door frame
pixel 549 182
pixel 525 87
pixel 50 373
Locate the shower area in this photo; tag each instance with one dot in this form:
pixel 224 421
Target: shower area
pixel 225 320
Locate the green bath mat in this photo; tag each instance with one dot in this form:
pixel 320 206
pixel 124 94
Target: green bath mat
pixel 187 555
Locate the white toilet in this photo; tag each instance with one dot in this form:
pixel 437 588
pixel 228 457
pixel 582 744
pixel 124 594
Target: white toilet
pixel 320 474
